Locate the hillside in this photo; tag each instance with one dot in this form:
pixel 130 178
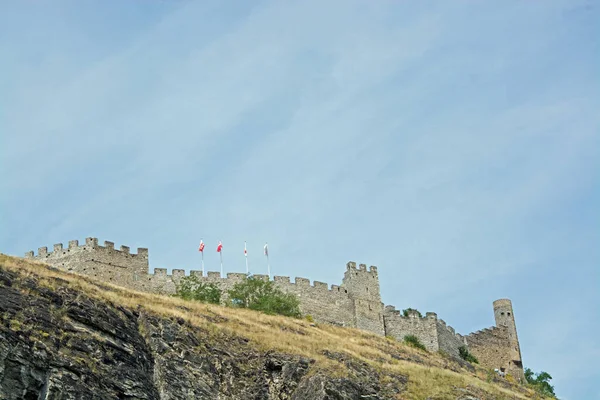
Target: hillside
pixel 65 336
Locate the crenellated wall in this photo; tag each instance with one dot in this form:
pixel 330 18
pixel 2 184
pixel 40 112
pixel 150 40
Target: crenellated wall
pixel 355 303
pixel 431 331
pixel 490 346
pixel 448 340
pixel 102 262
pixel 399 326
pixel 325 304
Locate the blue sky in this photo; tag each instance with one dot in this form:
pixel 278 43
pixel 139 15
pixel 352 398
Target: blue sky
pixel 453 144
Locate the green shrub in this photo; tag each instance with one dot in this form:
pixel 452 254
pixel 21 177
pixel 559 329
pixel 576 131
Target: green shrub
pixel 192 288
pixel 407 310
pixel 414 341
pixel 540 382
pixel 260 295
pixel 464 353
pixel 309 318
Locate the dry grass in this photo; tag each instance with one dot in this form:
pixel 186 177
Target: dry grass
pixel 428 373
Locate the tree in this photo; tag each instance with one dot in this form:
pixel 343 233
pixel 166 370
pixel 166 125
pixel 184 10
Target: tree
pixel 540 381
pixel 260 295
pixel 192 288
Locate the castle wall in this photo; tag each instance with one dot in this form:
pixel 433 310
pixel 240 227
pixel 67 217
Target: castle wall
pixel 449 341
pixel 490 346
pixel 425 329
pixel 331 305
pixel 102 262
pixel 431 331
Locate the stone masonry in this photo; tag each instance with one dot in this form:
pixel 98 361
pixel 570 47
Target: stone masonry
pixel 355 303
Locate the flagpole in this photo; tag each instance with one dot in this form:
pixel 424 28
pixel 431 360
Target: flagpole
pixel 246 255
pixel 201 248
pixel 268 264
pixel 221 254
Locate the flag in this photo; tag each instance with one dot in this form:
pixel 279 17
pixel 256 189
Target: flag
pixel 201 248
pixel 266 250
pixel 219 247
pixel 245 251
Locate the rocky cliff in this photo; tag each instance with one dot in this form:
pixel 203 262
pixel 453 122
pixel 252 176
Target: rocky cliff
pixel 63 336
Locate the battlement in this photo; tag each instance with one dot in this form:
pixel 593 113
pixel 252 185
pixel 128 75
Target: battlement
pixel 91 244
pixel 299 284
pixel 304 284
pixel 351 266
pixel 487 332
pixel 434 333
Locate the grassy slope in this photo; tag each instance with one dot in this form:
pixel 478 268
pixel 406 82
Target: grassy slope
pixel 430 375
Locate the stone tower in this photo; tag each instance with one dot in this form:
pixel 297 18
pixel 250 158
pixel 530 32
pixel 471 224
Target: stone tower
pixel 363 290
pixel 505 317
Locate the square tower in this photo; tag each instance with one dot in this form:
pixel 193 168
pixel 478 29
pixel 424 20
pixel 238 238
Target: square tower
pixel 363 290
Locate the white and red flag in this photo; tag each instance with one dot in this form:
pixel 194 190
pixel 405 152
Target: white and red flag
pixel 266 250
pixel 219 247
pixel 245 251
pixel 201 248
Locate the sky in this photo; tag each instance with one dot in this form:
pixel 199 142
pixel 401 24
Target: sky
pixel 455 145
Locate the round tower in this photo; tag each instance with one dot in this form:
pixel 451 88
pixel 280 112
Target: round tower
pixel 504 315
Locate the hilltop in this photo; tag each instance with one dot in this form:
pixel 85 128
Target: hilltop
pixel 68 336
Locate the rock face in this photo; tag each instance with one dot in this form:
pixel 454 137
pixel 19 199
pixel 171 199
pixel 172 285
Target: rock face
pixel 57 343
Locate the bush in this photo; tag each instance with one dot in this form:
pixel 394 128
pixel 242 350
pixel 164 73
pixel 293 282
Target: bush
pixel 540 382
pixel 260 295
pixel 414 341
pixel 192 288
pixel 407 310
pixel 464 353
pixel 309 318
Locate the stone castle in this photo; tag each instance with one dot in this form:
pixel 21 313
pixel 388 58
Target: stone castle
pixel 355 303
